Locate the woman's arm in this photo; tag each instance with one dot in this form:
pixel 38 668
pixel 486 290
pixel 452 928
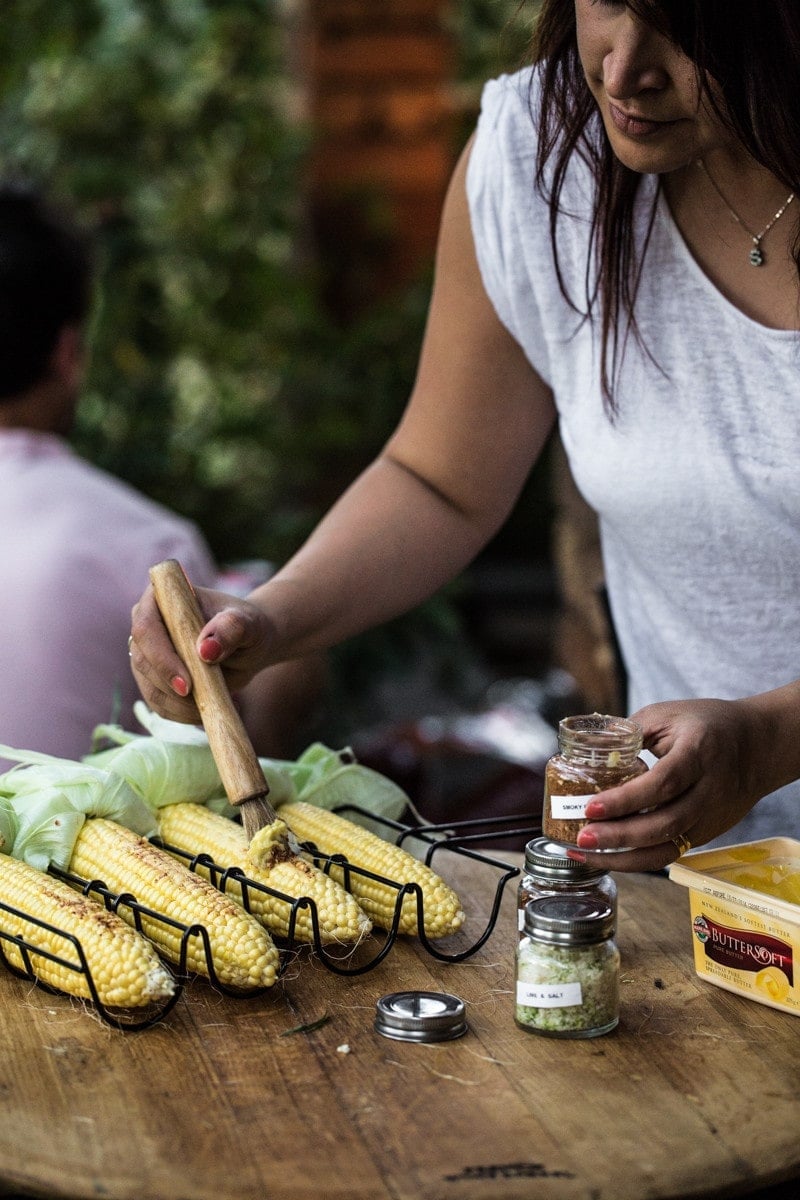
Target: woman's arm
pixel 446 480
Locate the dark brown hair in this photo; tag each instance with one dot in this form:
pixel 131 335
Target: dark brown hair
pixel 751 51
pixel 46 272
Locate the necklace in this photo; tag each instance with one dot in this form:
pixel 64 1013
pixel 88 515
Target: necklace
pixel 756 254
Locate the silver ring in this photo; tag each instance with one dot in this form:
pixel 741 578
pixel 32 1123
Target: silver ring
pixel 130 643
pixel 682 843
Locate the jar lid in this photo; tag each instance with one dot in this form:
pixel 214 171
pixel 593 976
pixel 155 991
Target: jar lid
pixel 548 858
pixel 568 920
pixel 599 733
pixel 420 1016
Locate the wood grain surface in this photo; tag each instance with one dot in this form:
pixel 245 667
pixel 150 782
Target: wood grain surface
pixel 697 1093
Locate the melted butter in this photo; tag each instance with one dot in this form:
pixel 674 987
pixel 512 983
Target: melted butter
pixel 778 879
pixel 751 853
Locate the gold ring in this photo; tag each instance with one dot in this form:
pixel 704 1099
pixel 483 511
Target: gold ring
pixel 682 842
pixel 130 643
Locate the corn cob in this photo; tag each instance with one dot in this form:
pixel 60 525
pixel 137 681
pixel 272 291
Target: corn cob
pixel 196 830
pixel 333 834
pixel 242 951
pixel 124 966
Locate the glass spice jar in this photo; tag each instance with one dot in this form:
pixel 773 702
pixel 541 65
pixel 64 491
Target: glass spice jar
pixel 595 752
pixel 548 871
pixel 567 969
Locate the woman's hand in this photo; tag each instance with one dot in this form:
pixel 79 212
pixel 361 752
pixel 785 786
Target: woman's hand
pixel 237 635
pixel 711 770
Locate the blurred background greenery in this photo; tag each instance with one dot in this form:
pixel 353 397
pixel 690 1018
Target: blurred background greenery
pixel 224 383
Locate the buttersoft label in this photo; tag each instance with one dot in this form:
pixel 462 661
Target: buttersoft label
pixel 549 995
pixel 570 808
pixel 743 949
pixel 746 952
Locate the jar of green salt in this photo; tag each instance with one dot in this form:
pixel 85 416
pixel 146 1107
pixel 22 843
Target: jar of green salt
pixel 567 977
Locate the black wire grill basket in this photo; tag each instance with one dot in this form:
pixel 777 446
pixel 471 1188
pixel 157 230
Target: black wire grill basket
pixel 464 840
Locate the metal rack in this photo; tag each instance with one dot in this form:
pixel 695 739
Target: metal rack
pixel 73 957
pixel 456 838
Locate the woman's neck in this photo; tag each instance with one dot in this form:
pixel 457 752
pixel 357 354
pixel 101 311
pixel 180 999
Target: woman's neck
pixel 726 207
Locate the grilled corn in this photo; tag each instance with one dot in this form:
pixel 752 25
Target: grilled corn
pixel 333 834
pixel 196 830
pixel 123 965
pixel 242 951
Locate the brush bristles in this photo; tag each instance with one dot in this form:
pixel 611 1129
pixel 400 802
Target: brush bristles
pixel 256 814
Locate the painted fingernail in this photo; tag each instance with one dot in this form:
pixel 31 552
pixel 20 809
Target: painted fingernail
pixel 595 809
pixel 210 650
pixel 576 856
pixel 179 685
pixel 587 840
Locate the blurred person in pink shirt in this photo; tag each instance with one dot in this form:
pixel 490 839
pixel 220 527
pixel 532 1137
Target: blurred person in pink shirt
pixel 75 542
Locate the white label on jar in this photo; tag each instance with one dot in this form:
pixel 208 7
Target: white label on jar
pixel 569 808
pixel 548 995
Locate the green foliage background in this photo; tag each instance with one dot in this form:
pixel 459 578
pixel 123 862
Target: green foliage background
pixel 168 121
pixel 219 383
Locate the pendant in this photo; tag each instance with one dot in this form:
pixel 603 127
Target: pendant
pixel 756 256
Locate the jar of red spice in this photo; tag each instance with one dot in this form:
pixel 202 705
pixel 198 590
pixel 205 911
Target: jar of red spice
pixel 595 752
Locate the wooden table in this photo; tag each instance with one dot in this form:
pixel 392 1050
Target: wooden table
pixel 696 1094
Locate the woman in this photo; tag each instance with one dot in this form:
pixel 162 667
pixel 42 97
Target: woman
pixel 619 252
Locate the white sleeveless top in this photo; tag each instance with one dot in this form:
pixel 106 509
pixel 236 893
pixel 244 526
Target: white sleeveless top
pixel 697 482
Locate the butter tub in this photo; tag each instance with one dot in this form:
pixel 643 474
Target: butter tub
pixel 745 912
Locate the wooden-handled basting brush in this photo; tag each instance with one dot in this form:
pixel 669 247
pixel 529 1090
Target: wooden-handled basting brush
pixel 236 760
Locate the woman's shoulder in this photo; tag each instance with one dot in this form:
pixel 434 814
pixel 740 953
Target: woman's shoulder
pixel 513 101
pixel 506 145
